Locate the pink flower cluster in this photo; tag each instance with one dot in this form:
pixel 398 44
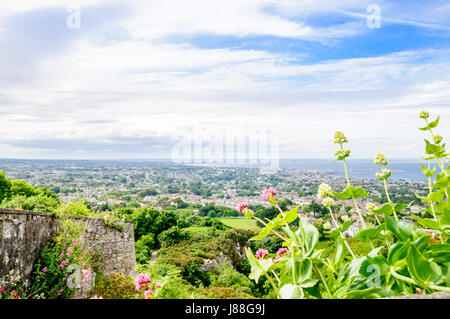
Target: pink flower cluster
pixel 96 297
pixel 142 280
pixel 268 192
pixel 64 263
pixel 148 293
pixel 158 285
pixel 242 207
pixel 2 289
pixel 13 293
pixel 280 253
pixel 87 274
pixel 261 253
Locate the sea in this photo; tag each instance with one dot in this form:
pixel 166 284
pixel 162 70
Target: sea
pixel 359 168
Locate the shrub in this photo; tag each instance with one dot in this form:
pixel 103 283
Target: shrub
pixel 144 247
pixel 220 293
pixel 390 258
pixel 114 286
pixel 38 203
pixel 75 208
pixel 53 277
pixel 172 235
pixel 228 277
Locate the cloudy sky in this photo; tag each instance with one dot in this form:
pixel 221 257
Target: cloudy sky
pixel 137 74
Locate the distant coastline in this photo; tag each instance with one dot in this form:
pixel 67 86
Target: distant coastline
pixel 402 169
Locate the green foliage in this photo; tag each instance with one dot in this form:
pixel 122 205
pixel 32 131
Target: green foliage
pixel 22 188
pixel 53 275
pixel 5 186
pixel 393 258
pixel 38 203
pixel 228 277
pixel 75 208
pixel 172 235
pixel 114 286
pixel 151 220
pixel 144 247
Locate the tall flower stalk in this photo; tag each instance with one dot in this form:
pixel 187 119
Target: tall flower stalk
pixel 341 155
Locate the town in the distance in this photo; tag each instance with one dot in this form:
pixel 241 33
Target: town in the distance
pixel 211 191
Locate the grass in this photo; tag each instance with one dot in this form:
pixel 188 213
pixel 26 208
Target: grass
pixel 240 223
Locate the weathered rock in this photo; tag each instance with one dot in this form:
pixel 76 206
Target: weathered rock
pixel 436 295
pixel 24 234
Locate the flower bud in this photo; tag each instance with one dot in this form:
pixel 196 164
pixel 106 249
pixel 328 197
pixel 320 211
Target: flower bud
pixel 324 191
pixel 380 159
pixel 437 139
pixel 424 115
pixel 339 138
pixel 370 206
pixel 328 202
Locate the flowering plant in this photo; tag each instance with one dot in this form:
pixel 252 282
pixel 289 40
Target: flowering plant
pixel 408 260
pixel 65 265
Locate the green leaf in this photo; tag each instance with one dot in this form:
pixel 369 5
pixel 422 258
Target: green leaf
pixel 439 253
pixel 249 213
pixel 364 293
pixel 401 230
pixel 308 234
pixel 422 242
pixel 427 172
pixel 258 267
pixel 442 181
pixel 424 199
pixel 374 267
pixel 399 207
pixel 437 196
pixel 345 194
pixel 386 209
pixel 291 215
pixel 256 270
pixel 398 252
pixel 434 149
pixel 305 270
pixel 422 270
pixel 359 192
pixel 290 291
pixel 264 233
pixel 427 223
pixel 340 252
pixel 272 200
pixel 434 123
pixel 369 234
pixel 308 283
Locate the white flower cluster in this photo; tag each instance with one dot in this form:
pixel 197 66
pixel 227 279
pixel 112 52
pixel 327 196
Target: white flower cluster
pixel 345 219
pixel 385 174
pixel 324 191
pixel 380 159
pixel 328 202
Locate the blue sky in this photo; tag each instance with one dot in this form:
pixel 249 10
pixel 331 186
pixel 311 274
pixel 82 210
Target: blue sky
pixel 137 73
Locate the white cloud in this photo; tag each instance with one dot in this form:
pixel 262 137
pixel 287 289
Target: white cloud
pixel 97 92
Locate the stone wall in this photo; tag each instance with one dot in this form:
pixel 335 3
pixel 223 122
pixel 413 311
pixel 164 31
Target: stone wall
pixel 24 234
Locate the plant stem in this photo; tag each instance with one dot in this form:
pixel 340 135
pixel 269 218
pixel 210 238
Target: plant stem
pixel 273 286
pixel 342 236
pixel 387 195
pixel 322 279
pixel 275 232
pixel 430 187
